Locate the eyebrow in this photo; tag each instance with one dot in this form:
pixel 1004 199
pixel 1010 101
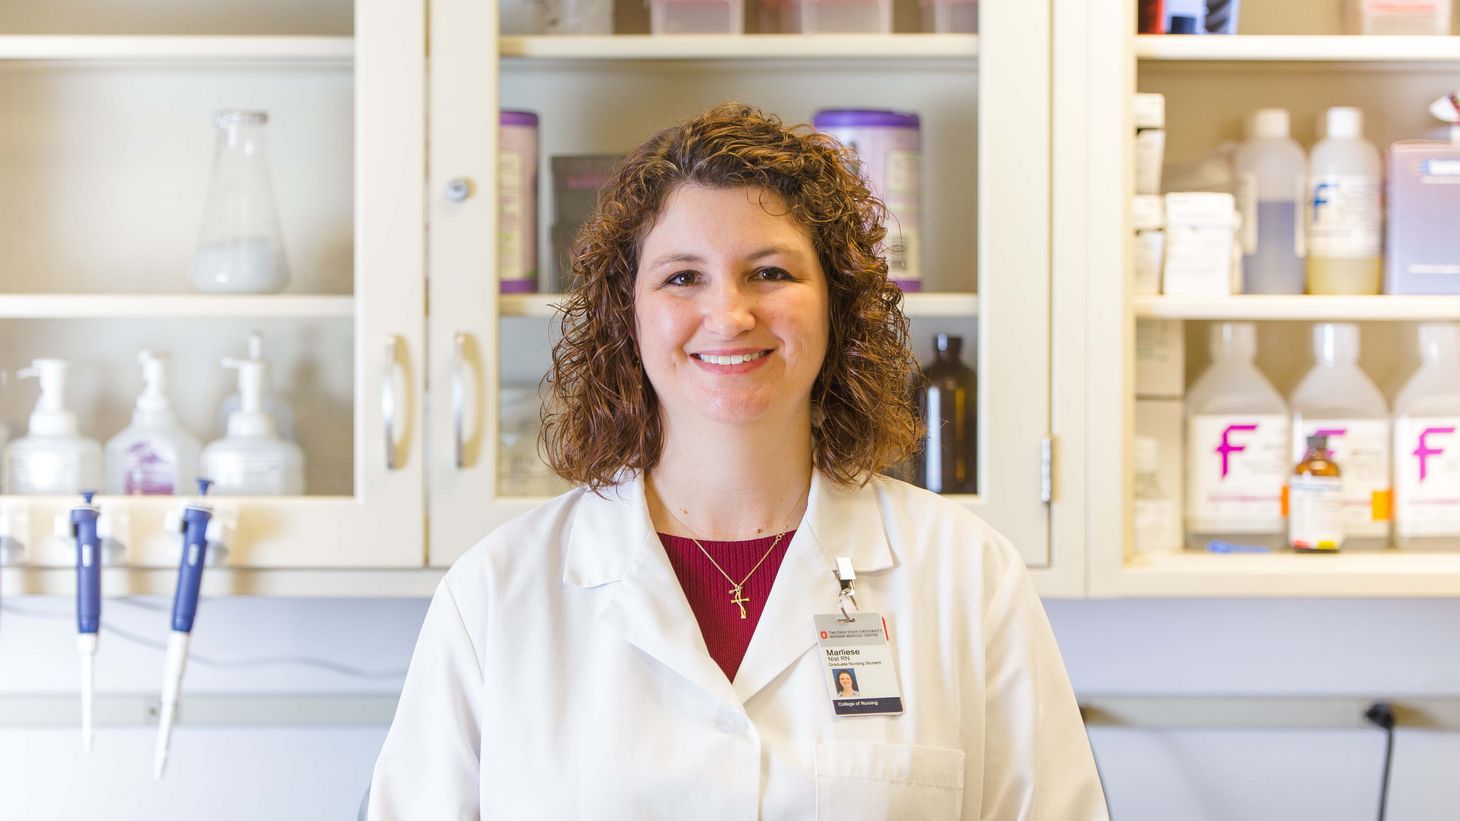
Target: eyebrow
pixel 688 256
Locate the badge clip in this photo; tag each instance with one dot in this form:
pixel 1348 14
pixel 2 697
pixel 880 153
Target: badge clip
pixel 847 578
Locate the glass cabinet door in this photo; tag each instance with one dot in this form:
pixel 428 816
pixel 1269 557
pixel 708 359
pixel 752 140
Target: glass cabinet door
pixel 108 159
pixel 978 244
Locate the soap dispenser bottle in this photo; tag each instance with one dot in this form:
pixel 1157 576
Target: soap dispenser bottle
pixel 154 455
pixel 1236 447
pixel 271 403
pixel 251 460
pixel 52 459
pixel 1427 445
pixel 1337 401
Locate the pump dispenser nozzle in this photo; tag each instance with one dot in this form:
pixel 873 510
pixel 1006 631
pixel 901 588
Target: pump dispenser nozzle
pixel 249 419
pixel 50 417
pixel 154 383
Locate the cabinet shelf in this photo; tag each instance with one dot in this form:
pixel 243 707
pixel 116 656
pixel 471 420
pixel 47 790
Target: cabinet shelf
pixel 174 306
pixel 919 47
pixel 1390 573
pixel 228 581
pixel 1279 48
pixel 1300 308
pixel 182 48
pixel 920 305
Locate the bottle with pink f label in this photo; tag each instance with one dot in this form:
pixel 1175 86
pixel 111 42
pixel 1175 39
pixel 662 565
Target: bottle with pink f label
pixel 889 144
pixel 1236 447
pixel 1427 445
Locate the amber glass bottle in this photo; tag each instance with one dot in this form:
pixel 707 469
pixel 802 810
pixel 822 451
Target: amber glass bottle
pixel 947 404
pixel 1314 501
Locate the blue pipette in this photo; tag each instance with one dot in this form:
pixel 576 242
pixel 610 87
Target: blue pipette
pixel 184 608
pixel 88 603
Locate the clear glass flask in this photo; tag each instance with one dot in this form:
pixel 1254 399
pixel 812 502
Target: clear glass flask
pixel 240 251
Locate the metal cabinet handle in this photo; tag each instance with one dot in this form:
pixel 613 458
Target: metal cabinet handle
pixel 459 189
pixel 458 400
pixel 388 404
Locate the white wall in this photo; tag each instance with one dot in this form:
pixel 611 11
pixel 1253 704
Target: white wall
pixel 1292 648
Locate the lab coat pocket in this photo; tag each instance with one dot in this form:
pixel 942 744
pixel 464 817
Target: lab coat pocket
pixel 856 780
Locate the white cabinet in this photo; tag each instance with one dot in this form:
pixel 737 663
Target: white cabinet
pixel 1211 83
pixel 105 159
pixel 984 104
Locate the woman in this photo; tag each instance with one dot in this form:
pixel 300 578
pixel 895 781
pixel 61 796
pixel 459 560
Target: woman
pixel 846 684
pixel 730 382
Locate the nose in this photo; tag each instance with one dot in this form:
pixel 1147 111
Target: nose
pixel 729 308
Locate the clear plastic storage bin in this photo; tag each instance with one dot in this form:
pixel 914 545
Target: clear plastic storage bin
pixel 828 16
pixel 696 16
pixel 950 16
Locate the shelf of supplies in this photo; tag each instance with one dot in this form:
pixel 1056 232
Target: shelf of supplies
pixel 201 49
pixel 231 581
pixel 1378 574
pixel 917 305
pixel 1277 48
pixel 1300 308
pixel 174 306
pixel 920 47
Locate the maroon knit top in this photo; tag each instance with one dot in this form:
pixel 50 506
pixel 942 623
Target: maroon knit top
pixel 727 636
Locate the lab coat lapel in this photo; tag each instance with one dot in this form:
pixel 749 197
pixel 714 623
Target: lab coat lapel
pixel 613 547
pixel 839 521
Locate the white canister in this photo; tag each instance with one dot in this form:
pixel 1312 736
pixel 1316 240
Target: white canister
pixel 517 202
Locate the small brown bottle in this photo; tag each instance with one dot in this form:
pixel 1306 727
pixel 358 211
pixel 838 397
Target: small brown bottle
pixel 1313 501
pixel 947 403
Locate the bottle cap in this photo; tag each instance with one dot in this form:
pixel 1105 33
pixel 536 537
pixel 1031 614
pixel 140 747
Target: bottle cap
pixel 1237 339
pixel 1269 124
pixel 1147 452
pixel 1439 341
pixel 947 345
pixel 1345 123
pixel 1182 24
pixel 1336 342
pixel 1318 442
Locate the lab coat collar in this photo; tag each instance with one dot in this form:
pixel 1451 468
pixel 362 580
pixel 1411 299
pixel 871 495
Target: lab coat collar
pixel 612 544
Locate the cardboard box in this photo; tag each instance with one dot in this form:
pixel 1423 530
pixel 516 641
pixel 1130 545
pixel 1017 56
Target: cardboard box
pixel 1164 421
pixel 1160 359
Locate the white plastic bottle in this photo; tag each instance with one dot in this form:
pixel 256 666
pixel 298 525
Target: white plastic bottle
pixel 155 455
pixel 53 458
pixel 1236 447
pixel 1269 168
pixel 1427 445
pixel 251 460
pixel 272 404
pixel 1345 216
pixel 1336 400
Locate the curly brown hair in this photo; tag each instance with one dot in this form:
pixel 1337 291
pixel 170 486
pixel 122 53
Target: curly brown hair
pixel 603 414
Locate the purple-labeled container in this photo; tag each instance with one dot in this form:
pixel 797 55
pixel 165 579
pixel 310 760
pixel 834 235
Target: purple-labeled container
pixel 889 144
pixel 517 202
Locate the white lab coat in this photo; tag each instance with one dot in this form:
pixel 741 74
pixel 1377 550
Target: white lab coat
pixel 560 674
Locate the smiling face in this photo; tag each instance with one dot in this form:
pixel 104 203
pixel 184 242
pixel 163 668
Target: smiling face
pixel 844 682
pixel 731 308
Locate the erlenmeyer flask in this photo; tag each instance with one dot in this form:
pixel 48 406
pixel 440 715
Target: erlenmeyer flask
pixel 240 251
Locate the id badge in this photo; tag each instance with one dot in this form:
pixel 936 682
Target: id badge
pixel 856 658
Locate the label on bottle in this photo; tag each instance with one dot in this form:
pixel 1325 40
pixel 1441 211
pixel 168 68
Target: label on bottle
pixel 904 193
pixel 1360 448
pixel 1427 476
pixel 1236 468
pixel 148 470
pixel 43 473
pixel 1247 207
pixel 1315 512
pixel 1157 528
pixel 1345 218
pixel 247 474
pixel 510 222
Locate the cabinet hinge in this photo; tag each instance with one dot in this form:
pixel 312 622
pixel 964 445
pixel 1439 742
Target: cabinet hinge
pixel 1046 469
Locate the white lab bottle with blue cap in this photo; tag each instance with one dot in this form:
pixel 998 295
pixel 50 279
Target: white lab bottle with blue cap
pixel 1236 447
pixel 53 458
pixel 155 455
pixel 251 460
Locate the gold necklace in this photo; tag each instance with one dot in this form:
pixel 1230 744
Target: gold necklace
pixel 737 591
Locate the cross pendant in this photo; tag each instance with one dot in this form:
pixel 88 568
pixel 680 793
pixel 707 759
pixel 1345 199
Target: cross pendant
pixel 738 599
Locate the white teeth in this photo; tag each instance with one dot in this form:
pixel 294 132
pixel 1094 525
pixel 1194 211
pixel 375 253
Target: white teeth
pixel 733 359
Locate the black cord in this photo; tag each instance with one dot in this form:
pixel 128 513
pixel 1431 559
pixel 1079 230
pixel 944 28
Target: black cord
pixel 1381 715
